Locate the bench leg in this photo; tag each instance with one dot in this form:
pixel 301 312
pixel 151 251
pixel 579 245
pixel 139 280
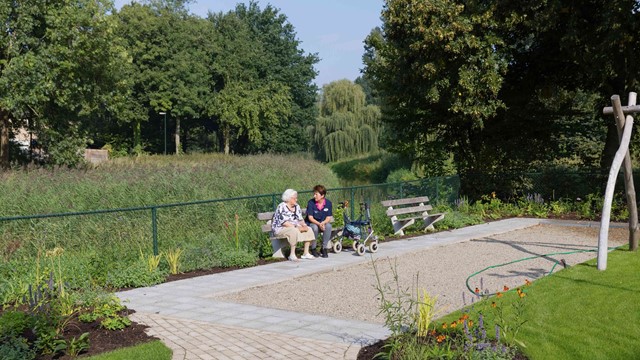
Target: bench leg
pixel 398 226
pixel 432 219
pixel 278 245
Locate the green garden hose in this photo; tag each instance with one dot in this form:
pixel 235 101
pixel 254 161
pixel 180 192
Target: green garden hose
pixel 530 258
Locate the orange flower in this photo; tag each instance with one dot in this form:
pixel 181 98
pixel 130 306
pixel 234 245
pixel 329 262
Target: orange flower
pixel 527 282
pixel 470 323
pixel 433 332
pixel 453 324
pixel 522 294
pixel 519 291
pixel 493 304
pixel 440 338
pixel 499 294
pixel 444 325
pixel 505 288
pixel 465 317
pixel 459 321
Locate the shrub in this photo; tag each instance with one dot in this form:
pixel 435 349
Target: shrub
pixel 15 348
pixel 14 323
pixel 236 258
pixel 135 274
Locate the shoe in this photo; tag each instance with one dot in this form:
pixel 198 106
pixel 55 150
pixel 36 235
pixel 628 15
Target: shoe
pixel 325 253
pixel 314 252
pixel 308 257
pixel 293 258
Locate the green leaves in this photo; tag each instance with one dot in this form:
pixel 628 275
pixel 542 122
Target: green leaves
pixel 500 84
pixel 347 126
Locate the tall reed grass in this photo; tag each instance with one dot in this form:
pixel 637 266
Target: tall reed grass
pixel 98 244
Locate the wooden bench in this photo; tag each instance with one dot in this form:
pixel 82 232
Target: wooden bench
pixel 279 243
pixel 416 208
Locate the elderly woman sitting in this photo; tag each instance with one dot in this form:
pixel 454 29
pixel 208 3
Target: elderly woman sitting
pixel 288 222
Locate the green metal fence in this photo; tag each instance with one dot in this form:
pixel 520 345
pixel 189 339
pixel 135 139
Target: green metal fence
pixel 198 225
pixel 127 231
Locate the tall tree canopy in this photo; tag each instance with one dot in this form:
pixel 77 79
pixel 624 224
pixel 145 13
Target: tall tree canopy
pixel 81 71
pixel 501 85
pixel 245 101
pixel 171 60
pixel 60 68
pixel 263 73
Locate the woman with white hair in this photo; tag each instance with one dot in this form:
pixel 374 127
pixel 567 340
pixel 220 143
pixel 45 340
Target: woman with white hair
pixel 288 222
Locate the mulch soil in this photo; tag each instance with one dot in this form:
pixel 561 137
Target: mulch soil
pixel 102 340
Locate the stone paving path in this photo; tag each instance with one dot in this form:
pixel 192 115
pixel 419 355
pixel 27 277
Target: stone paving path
pixel 186 316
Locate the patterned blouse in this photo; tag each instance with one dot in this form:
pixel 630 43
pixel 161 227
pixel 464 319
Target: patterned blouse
pixel 283 214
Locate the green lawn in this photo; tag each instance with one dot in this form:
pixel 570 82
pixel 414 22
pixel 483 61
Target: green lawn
pixel 577 313
pixel 154 350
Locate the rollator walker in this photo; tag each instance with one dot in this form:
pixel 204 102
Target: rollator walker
pixel 359 231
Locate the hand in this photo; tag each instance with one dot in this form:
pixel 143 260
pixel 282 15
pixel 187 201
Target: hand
pixel 321 226
pixel 304 228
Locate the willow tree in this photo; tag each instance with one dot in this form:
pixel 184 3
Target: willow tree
pixel 347 126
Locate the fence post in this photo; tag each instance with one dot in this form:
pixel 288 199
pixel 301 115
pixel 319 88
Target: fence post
pixel 154 227
pixel 273 201
pixel 353 205
pixel 438 188
pixel 401 195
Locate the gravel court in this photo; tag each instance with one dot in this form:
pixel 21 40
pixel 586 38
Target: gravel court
pixel 350 292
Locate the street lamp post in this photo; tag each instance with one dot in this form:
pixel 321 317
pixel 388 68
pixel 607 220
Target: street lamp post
pixel 165 131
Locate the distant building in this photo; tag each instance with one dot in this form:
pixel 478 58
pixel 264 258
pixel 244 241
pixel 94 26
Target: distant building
pixel 23 138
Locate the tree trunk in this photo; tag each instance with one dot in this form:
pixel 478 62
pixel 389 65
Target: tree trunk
pixel 137 143
pixel 4 139
pixel 225 138
pixel 178 136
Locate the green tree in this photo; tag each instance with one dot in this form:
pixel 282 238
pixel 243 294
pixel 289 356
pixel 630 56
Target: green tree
pixel 347 126
pixel 171 58
pixel 501 85
pixel 59 65
pixel 244 101
pixel 259 56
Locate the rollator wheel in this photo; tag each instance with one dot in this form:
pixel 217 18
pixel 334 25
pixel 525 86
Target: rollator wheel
pixel 373 247
pixel 354 245
pixel 337 247
pixel 360 249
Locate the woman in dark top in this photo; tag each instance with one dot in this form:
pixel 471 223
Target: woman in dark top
pixel 319 216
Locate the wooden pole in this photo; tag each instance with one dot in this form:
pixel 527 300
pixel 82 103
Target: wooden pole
pixel 608 195
pixel 631 109
pixel 634 235
pixel 629 187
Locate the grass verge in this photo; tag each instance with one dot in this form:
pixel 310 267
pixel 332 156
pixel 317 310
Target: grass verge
pixel 577 313
pixel 154 350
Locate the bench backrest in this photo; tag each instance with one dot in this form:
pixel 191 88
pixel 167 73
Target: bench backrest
pixel 406 201
pixel 409 210
pixel 407 205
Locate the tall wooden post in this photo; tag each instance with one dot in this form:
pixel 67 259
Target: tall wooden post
pixel 624 125
pixel 630 190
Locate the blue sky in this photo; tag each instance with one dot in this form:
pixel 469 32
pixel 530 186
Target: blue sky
pixel 335 29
